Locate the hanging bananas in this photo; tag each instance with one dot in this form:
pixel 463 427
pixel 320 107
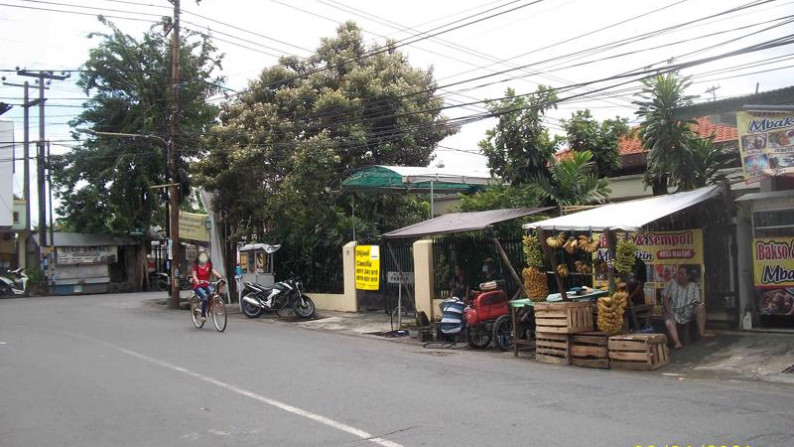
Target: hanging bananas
pixel 532 252
pixel 624 255
pixel 610 313
pixel 562 270
pixel 535 284
pixel 582 268
pixel 587 245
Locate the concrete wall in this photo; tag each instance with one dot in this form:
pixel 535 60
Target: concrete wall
pixel 342 302
pixel 423 275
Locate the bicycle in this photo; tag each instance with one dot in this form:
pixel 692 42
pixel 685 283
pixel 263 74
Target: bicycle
pixel 215 307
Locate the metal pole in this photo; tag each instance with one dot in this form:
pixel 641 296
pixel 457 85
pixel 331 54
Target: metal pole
pixel 173 160
pixel 400 304
pixel 49 188
pixel 432 201
pixel 26 176
pixel 353 211
pixel 40 179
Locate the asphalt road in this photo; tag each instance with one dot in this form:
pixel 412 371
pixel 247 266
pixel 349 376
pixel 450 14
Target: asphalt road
pixel 112 371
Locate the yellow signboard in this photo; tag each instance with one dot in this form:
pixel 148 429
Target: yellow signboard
pixel 367 267
pixel 773 262
pixel 773 265
pixel 663 253
pixel 766 142
pixel 193 227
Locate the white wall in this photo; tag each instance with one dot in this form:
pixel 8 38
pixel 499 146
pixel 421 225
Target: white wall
pixel 6 173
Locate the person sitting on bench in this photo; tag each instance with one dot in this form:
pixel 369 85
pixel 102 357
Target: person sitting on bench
pixel 681 299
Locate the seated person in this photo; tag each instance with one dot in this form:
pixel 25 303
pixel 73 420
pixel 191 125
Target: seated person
pixel 458 287
pixel 636 282
pixel 489 270
pixel 681 299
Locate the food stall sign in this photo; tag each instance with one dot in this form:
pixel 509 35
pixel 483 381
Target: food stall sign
pixel 766 144
pixel 773 267
pixel 367 267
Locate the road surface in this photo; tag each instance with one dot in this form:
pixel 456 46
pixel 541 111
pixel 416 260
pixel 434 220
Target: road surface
pixel 112 370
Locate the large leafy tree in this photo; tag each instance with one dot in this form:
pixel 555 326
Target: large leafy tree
pixel 520 145
pixel 282 146
pixel 572 181
pixel 105 183
pixel 670 156
pixel 710 161
pixel 601 139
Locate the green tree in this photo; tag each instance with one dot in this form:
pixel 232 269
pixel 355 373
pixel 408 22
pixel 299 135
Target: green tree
pixel 572 181
pixel 670 157
pixel 500 196
pixel 303 124
pixel 710 160
pixel 584 133
pixel 105 183
pixel 520 146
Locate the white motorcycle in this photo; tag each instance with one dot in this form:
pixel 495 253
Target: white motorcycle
pixel 17 285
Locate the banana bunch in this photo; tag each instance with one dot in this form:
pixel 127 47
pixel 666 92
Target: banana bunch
pixel 532 252
pixel 588 245
pixel 582 268
pixel 570 246
pixel 557 241
pixel 610 313
pixel 535 284
pixel 562 270
pixel 624 255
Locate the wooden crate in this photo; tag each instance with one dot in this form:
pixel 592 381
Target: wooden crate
pixel 564 317
pixel 590 350
pixel 638 351
pixel 553 348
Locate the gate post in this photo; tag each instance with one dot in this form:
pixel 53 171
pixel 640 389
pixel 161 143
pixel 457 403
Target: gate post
pixel 424 276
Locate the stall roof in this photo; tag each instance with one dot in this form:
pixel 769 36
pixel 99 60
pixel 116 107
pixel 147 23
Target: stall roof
pixel 402 178
pixel 768 195
pixel 627 216
pixel 461 222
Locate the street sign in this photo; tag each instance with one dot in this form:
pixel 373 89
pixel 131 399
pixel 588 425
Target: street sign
pixel 400 277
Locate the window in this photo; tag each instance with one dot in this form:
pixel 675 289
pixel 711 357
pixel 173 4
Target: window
pixel 16 217
pixel 774 223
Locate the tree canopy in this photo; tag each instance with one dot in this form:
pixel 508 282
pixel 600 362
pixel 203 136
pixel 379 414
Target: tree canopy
pixel 105 182
pixel 281 148
pixel 585 133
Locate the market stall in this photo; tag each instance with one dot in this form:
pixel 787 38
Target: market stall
pixel 608 243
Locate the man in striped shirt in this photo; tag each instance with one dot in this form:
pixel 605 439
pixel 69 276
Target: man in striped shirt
pixel 681 299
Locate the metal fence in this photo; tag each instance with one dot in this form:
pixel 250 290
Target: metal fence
pixel 469 252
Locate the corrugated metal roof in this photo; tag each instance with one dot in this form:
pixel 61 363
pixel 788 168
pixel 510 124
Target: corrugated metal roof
pixel 461 222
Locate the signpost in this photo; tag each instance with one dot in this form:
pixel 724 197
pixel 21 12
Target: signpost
pixel 400 278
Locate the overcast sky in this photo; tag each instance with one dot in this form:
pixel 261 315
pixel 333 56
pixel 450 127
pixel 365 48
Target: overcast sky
pixel 540 35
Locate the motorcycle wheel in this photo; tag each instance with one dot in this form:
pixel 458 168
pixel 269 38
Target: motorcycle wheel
pixel 503 333
pixel 306 311
pixel 162 284
pixel 478 338
pixel 251 311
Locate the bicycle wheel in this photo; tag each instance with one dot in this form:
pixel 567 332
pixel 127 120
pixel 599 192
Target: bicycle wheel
pixel 195 311
pixel 503 332
pixel 218 311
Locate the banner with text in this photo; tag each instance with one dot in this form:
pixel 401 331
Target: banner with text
pixel 663 253
pixel 766 143
pixel 773 267
pixel 104 254
pixel 367 267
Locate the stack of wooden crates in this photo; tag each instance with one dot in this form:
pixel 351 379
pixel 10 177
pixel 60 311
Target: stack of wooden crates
pixel 565 335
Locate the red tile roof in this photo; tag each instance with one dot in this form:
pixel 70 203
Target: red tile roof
pixel 703 128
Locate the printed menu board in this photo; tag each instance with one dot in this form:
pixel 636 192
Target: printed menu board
pixel 766 144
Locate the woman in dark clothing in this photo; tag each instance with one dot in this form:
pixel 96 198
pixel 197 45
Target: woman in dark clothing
pixel 636 282
pixel 458 287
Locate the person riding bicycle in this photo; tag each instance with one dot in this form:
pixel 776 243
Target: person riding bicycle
pixel 202 275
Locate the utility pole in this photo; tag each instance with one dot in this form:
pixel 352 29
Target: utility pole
pixel 49 194
pixel 26 105
pixel 173 161
pixel 42 76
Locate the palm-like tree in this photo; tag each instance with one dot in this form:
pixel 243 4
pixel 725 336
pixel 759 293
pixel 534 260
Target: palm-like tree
pixel 572 181
pixel 670 157
pixel 709 162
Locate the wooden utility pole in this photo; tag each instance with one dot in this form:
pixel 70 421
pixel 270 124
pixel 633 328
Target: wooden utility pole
pixel 173 161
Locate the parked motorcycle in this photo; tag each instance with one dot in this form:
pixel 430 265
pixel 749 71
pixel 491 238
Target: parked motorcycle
pixel 159 281
pixel 16 285
pixel 258 299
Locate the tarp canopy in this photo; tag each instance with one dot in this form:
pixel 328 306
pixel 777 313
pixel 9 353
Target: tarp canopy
pixel 627 216
pixel 416 179
pixel 461 222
